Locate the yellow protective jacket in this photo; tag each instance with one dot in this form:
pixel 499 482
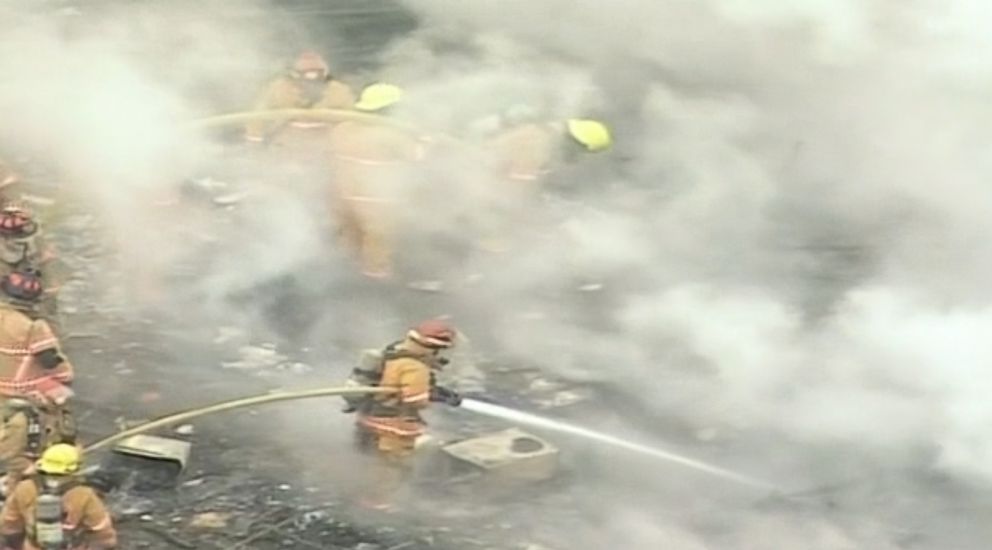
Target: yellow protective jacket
pixel 398 414
pixel 25 346
pixel 289 93
pixel 525 153
pixel 85 519
pixel 370 160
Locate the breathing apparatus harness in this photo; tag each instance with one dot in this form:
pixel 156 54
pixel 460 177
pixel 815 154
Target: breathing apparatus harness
pixel 49 532
pixel 370 374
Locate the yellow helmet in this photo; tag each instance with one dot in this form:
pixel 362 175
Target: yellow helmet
pixel 60 459
pixel 592 134
pixel 378 96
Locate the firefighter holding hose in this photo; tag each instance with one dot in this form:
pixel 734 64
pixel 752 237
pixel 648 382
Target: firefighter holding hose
pixel 307 85
pixel 374 168
pixel 523 153
pixel 389 424
pixel 54 509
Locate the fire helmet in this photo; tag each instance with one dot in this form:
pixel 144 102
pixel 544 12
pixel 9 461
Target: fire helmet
pixel 310 65
pixel 60 459
pixel 16 223
pixel 434 334
pixel 378 96
pixel 591 134
pixel 22 285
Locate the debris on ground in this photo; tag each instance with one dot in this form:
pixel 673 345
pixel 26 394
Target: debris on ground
pixel 209 520
pixel 185 429
pixel 256 358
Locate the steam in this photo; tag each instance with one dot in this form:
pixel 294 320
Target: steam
pixel 790 231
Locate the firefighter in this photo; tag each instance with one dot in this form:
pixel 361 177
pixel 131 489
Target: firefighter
pixel 372 166
pixel 308 85
pixel 525 151
pixel 28 428
pixel 22 246
pixel 389 424
pixel 31 361
pixel 55 509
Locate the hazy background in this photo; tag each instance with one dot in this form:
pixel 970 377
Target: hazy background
pixel 790 231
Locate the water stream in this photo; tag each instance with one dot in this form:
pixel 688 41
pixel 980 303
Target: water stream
pixel 536 421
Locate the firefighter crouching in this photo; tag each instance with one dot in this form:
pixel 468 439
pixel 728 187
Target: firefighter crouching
pixel 389 424
pixel 54 509
pixel 22 245
pixel 372 166
pixel 308 85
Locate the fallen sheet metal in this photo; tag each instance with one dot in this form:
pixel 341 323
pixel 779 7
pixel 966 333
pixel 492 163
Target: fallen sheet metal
pixel 153 447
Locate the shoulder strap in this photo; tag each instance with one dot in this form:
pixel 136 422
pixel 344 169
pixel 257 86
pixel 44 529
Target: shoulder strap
pixel 393 352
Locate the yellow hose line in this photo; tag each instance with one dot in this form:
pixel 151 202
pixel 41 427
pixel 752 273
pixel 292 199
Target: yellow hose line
pixel 329 115
pixel 229 405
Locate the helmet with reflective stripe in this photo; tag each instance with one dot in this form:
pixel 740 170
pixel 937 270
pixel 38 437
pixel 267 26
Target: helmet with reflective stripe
pixel 434 334
pixel 60 459
pixel 310 65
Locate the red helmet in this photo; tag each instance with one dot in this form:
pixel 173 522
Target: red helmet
pixel 310 63
pixel 434 334
pixel 23 285
pixel 16 223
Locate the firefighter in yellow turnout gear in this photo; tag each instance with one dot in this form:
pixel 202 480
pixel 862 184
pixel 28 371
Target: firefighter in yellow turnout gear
pixel 389 424
pixel 524 153
pixel 527 149
pixel 54 509
pixel 32 364
pixel 372 167
pixel 308 85
pixel 34 375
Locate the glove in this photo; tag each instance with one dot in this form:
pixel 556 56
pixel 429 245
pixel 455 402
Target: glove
pixel 440 394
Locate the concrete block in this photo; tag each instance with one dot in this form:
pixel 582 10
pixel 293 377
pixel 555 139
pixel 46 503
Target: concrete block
pixel 511 455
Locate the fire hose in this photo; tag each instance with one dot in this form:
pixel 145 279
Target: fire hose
pixel 328 115
pixel 232 404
